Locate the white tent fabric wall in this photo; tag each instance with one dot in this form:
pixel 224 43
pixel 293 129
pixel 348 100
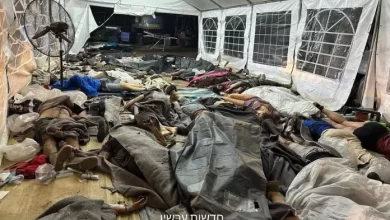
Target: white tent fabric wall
pixel 16 58
pixel 272 53
pixel 329 80
pixel 83 21
pixel 210 26
pixel 383 61
pixel 133 10
pixel 369 94
pixel 235 37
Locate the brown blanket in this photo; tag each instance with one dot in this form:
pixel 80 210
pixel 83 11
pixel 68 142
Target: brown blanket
pixel 55 102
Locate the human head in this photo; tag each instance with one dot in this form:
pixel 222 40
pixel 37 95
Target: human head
pixel 264 113
pixel 369 134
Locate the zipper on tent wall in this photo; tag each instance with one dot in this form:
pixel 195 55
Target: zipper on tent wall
pixel 296 40
pixel 374 42
pixel 249 37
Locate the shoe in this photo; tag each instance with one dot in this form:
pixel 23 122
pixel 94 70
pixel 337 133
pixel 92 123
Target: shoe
pixel 320 107
pixel 58 159
pixel 102 130
pixel 374 176
pixel 82 163
pixel 272 187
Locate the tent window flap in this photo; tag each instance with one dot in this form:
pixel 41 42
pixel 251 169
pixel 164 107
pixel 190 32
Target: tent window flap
pixel 210 28
pixel 272 38
pixel 327 41
pixel 235 36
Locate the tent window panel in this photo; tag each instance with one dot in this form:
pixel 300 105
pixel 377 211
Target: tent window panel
pixel 235 36
pixel 210 28
pixel 272 38
pixel 327 41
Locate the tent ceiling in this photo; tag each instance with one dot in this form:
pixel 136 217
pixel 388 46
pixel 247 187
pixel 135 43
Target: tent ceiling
pixel 180 6
pixel 205 5
pixel 230 3
pixel 202 4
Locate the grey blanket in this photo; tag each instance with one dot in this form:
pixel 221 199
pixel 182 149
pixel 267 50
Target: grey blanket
pixel 157 181
pixel 79 207
pixel 68 127
pixel 113 108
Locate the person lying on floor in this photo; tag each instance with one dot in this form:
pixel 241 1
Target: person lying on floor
pixel 264 109
pixel 373 136
pixel 240 85
pixel 188 74
pixel 60 134
pixel 157 82
pixel 153 113
pixel 338 121
pixel 92 87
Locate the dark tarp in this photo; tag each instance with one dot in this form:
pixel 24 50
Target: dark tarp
pixel 220 169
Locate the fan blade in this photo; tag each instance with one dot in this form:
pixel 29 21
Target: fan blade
pixel 42 33
pixel 65 38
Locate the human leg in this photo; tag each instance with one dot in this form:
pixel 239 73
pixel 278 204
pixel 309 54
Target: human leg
pixel 275 197
pixel 78 163
pixel 125 209
pixel 56 158
pixel 243 97
pixel 131 87
pixel 234 101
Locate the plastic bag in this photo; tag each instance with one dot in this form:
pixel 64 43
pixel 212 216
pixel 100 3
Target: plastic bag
pixel 341 146
pixel 20 123
pixel 45 173
pixel 77 97
pixel 380 166
pixel 21 151
pixel 40 93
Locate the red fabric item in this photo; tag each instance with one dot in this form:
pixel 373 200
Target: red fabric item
pixel 28 169
pixel 383 146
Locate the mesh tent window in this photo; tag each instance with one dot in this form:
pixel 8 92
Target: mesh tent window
pixel 272 38
pixel 210 27
pixel 327 41
pixel 234 36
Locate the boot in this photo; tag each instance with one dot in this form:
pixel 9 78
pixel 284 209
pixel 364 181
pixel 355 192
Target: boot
pixel 81 163
pixel 58 158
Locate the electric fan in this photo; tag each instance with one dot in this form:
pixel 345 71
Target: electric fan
pixel 49 29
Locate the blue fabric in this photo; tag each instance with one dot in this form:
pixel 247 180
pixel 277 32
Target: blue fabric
pixel 317 127
pixel 194 94
pixel 86 84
